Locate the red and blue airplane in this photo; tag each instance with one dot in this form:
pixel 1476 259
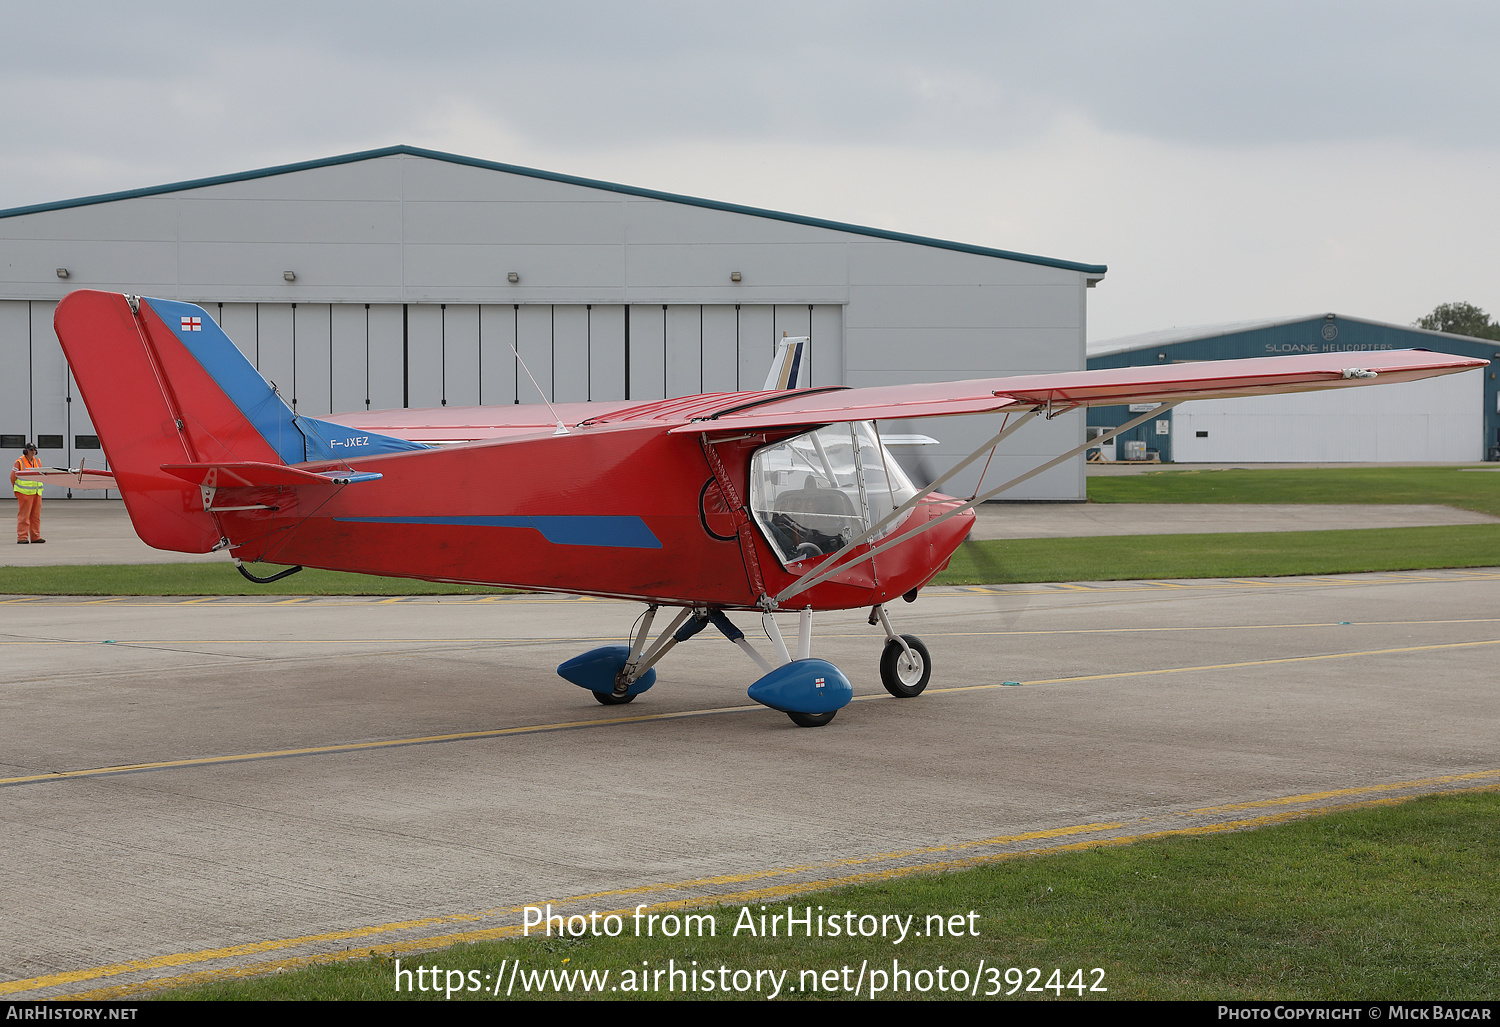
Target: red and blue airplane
pixel 759 502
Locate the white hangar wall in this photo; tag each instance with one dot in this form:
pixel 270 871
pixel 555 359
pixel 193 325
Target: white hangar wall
pixel 1413 422
pixel 401 297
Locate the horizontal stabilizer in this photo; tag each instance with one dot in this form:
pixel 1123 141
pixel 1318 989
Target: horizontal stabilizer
pixel 73 478
pixel 165 386
pixel 253 473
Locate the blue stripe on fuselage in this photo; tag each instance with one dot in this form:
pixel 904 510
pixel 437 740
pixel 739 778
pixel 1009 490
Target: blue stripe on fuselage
pixel 565 530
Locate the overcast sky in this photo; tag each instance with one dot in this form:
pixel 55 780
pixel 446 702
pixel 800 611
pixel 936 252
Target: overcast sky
pixel 1227 161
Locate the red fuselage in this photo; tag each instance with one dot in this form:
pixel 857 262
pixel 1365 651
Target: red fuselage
pixel 619 509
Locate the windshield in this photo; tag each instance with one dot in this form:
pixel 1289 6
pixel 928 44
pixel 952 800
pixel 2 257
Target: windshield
pixel 813 494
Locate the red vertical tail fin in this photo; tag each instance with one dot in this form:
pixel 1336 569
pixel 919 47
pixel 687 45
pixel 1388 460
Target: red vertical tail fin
pixel 152 403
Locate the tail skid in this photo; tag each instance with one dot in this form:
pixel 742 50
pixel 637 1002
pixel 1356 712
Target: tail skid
pixel 181 412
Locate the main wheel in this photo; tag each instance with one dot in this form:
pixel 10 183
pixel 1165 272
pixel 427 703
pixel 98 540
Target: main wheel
pixel 811 719
pixel 610 699
pixel 905 674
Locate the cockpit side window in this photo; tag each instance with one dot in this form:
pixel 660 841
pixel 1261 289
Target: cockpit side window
pixel 814 493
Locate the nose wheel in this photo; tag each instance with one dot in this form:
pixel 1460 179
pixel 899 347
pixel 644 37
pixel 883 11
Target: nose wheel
pixel 905 669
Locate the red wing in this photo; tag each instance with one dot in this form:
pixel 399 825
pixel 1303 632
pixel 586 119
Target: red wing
pixel 470 424
pixel 1206 379
pixel 748 410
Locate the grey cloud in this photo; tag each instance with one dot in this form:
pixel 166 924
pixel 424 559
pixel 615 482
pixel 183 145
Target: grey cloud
pixel 959 73
pixel 206 88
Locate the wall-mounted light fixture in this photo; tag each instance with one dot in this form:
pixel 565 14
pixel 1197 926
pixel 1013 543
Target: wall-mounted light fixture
pixel 290 276
pixel 512 278
pixel 734 276
pixel 62 272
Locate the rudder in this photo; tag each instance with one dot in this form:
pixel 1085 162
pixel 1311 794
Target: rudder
pixel 165 386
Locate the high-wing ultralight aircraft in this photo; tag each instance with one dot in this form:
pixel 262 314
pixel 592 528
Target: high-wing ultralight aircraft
pixel 758 502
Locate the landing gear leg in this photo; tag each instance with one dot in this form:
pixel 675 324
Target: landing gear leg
pixel 905 666
pixel 616 674
pixel 808 690
pixel 804 651
pixel 627 674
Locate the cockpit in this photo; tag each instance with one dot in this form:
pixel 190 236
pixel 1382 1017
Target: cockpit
pixel 814 493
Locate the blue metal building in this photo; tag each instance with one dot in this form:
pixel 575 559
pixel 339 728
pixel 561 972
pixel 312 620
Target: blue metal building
pixel 1360 415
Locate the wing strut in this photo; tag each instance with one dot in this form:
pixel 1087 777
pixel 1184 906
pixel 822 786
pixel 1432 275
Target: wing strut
pixel 819 573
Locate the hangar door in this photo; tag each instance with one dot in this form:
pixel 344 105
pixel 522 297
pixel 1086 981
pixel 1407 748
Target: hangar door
pixel 336 358
pixel 38 398
pixel 341 357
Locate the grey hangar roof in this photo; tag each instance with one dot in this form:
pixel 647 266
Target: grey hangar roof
pixel 401 277
pixel 514 169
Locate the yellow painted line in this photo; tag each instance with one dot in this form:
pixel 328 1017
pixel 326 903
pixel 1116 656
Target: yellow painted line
pixel 251 948
pixel 684 714
pixel 383 640
pixel 942 591
pixel 1208 584
pixel 1224 666
pixel 937 592
pixel 1262 821
pixel 358 746
pixel 1205 627
pixel 252 602
pixel 740 897
pixel 1339 793
pixel 431 640
pixel 202 955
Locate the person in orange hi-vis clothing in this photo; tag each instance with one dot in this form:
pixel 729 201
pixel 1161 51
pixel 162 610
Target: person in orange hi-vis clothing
pixel 28 498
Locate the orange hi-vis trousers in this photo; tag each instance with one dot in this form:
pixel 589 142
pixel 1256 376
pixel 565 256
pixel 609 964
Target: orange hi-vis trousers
pixel 28 517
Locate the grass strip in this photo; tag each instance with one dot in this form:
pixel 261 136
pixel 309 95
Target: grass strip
pixel 212 579
pixel 1109 558
pixel 1005 561
pixel 1473 489
pixel 1391 901
pixel 1226 555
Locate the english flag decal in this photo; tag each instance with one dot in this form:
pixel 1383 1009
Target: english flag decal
pixel 192 324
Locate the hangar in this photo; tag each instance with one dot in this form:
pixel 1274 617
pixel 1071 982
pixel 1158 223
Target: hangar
pixel 1455 418
pixel 401 277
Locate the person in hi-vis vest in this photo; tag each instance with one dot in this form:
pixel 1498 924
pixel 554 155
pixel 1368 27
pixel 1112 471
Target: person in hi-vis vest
pixel 28 498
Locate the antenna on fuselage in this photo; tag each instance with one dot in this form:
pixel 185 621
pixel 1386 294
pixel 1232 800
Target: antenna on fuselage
pixel 562 429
